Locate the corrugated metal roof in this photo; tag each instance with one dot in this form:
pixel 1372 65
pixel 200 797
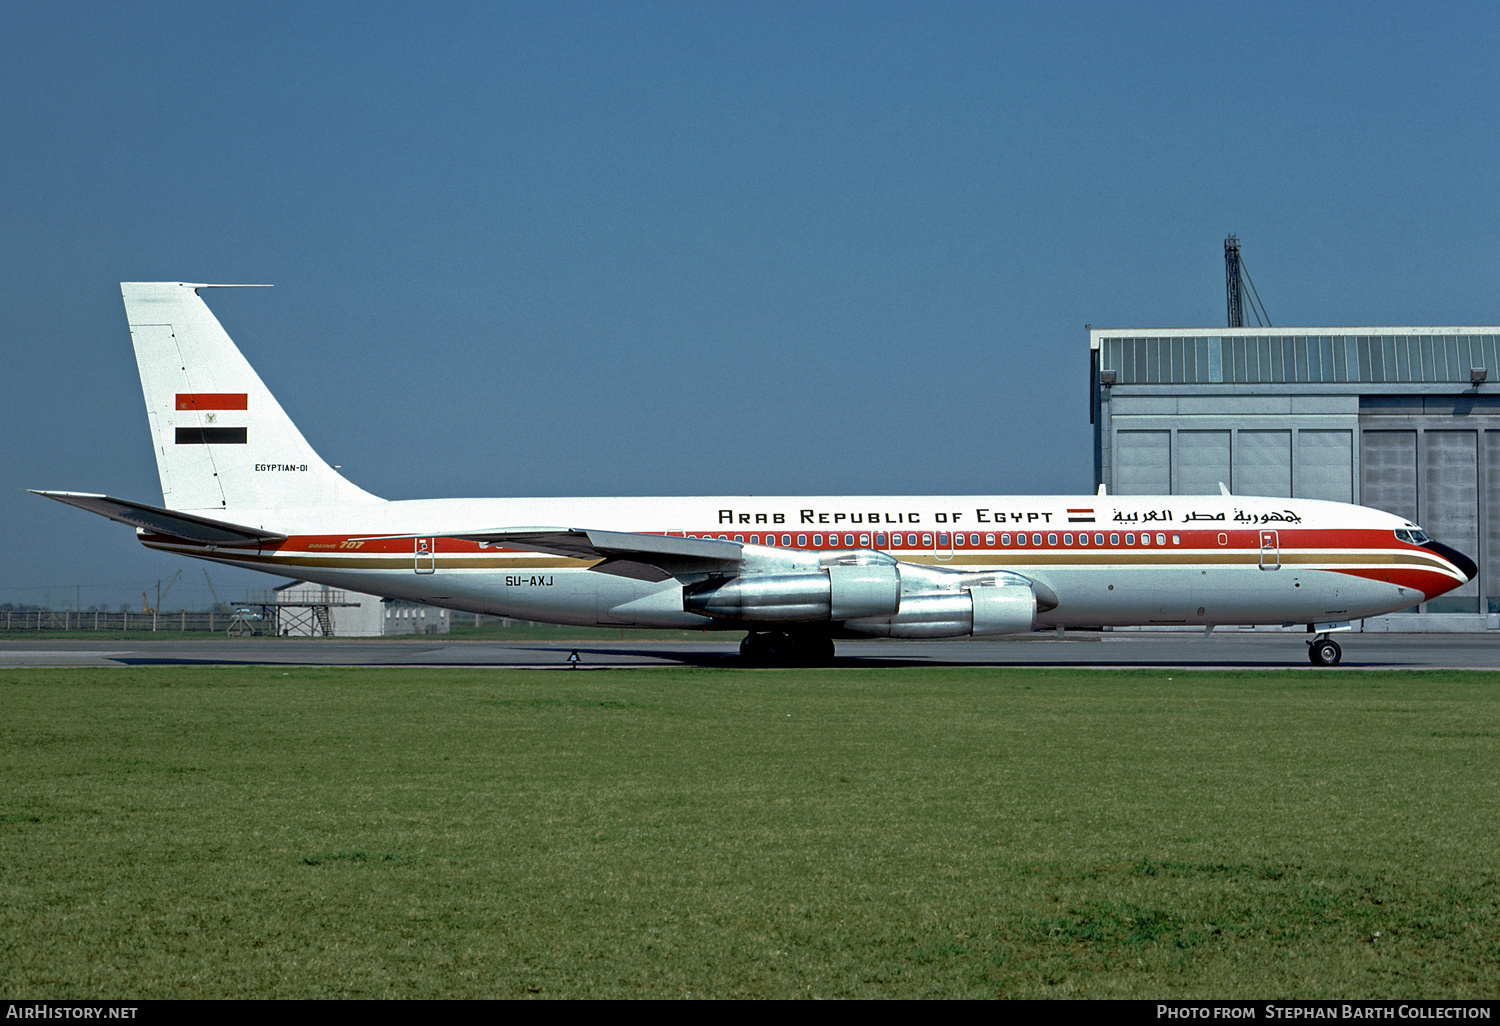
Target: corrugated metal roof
pixel 1294 355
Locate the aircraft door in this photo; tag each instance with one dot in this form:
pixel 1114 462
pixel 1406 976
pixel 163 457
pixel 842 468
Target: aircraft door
pixel 945 545
pixel 426 555
pixel 1270 550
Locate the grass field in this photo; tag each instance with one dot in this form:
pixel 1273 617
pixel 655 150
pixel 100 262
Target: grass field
pixel 190 832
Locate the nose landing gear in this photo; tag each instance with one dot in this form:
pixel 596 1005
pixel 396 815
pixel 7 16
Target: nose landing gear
pixel 1322 651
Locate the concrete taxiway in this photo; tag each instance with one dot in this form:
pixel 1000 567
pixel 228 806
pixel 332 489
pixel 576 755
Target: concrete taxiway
pixel 1260 650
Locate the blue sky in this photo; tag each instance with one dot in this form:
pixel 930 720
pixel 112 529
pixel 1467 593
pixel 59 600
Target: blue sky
pixel 626 248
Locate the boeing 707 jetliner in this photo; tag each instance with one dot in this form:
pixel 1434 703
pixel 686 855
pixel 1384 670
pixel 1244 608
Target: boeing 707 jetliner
pixel 240 485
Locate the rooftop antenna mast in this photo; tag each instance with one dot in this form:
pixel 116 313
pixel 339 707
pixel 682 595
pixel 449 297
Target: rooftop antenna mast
pixel 1236 277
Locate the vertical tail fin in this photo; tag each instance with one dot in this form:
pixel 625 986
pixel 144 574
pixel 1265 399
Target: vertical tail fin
pixel 222 440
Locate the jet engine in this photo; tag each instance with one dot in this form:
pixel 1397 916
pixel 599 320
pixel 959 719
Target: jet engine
pixel 868 592
pixel 999 608
pixel 837 593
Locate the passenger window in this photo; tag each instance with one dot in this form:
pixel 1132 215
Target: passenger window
pixel 1161 539
pixel 739 537
pixel 1145 539
pixel 817 540
pixel 786 539
pixel 1005 539
pixel 1036 539
pixel 1130 539
pixel 1051 539
pixel 926 541
pixel 943 539
pixel 958 540
pixel 989 539
pixel 755 539
pixel 1098 539
pixel 1067 539
pixel 849 539
pixel 1020 539
pixel 1176 539
pixel 1114 539
pixel 801 541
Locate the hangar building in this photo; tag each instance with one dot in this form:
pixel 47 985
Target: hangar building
pixel 1402 419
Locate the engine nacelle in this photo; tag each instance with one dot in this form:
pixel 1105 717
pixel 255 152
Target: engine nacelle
pixel 770 598
pixel 864 590
pixel 870 593
pixel 997 609
pixel 1006 609
pixel 837 593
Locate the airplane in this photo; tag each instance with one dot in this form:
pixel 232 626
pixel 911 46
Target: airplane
pixel 241 486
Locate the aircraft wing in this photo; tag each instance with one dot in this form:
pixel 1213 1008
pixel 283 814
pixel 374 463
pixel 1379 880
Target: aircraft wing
pixel 165 521
pixel 643 557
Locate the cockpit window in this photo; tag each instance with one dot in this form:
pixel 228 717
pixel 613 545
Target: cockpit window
pixel 1413 536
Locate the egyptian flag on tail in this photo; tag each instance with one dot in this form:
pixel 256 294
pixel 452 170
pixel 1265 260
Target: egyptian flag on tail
pixel 215 407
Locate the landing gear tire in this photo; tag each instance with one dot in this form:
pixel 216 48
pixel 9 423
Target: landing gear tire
pixel 815 651
pixel 1324 652
pixel 776 648
pixel 754 650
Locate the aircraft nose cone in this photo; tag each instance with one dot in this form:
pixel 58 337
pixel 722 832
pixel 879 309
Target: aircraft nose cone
pixel 1458 559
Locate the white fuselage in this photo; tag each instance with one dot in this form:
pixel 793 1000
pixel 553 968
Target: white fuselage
pixel 1109 560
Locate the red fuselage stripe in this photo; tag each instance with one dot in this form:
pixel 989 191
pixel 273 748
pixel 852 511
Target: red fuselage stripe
pixel 1304 540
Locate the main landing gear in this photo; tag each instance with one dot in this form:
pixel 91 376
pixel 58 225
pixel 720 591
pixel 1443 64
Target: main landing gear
pixel 1322 651
pixel 784 648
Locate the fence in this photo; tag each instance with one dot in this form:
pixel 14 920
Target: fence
pixel 184 620
pixel 70 620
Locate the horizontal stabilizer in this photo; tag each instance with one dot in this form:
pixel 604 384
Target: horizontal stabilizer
pixel 165 521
